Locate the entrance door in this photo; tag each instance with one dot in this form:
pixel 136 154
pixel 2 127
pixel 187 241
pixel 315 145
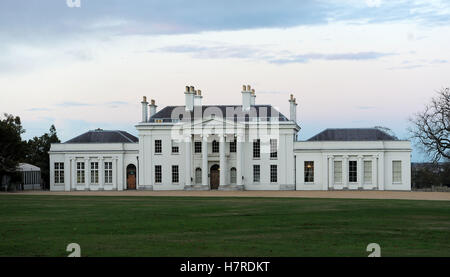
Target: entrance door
pixel 214 177
pixel 131 176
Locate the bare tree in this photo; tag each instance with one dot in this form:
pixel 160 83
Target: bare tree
pixel 431 127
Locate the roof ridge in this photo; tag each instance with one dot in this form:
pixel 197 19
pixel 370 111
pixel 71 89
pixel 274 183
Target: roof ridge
pixel 120 132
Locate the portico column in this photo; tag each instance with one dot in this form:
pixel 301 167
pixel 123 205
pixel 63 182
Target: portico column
pixel 187 153
pixel 222 160
pixel 345 172
pixel 360 171
pixel 101 168
pixel 375 170
pixel 330 172
pixel 87 174
pixel 205 160
pixel 239 160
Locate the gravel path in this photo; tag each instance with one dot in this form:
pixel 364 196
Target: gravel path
pixel 412 195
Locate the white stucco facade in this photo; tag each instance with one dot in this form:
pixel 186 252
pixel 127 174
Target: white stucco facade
pixel 253 148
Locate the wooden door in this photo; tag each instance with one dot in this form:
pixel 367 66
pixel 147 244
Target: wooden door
pixel 215 177
pixel 131 177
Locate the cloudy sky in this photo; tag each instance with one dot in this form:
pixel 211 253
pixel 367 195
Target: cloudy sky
pixel 350 63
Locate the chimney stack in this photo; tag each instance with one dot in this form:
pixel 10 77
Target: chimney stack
pixel 246 97
pixel 198 98
pixel 189 98
pixel 152 108
pixel 144 109
pixel 252 98
pixel 293 108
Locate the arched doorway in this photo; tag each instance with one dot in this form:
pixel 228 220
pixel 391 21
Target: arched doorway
pixel 214 178
pixel 131 176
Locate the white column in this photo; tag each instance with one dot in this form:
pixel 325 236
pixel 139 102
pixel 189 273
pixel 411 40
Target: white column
pixel 120 171
pixel 205 160
pixel 330 171
pixel 360 171
pixel 345 172
pixel 188 164
pixel 87 175
pixel 74 174
pixel 381 167
pixel 222 160
pixel 101 175
pixel 115 174
pixel 375 171
pixel 239 160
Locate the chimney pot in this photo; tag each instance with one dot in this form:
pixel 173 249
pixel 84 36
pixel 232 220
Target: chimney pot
pixel 249 87
pixel 244 88
pixel 144 99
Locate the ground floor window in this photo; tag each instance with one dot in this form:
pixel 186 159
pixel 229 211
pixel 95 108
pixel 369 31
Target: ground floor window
pixel 158 174
pixel 367 172
pixel 108 173
pixel 59 173
pixel 273 173
pixel 309 171
pixel 256 173
pixel 175 174
pixel 94 173
pixel 352 171
pixel 396 171
pixel 233 175
pixel 198 175
pixel 337 172
pixel 80 173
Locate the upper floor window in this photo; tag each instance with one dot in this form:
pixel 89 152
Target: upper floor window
pixel 352 171
pixel 80 173
pixel 273 148
pixel 215 146
pixel 396 171
pixel 256 148
pixel 197 147
pixel 158 146
pixel 309 171
pixel 175 147
pixel 233 146
pixel 59 173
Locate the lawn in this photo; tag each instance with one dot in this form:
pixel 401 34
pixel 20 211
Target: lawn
pixel 194 226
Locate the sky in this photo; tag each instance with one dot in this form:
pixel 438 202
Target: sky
pixel 85 64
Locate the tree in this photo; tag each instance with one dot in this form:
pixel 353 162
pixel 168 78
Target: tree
pixel 431 127
pixel 12 149
pixel 37 153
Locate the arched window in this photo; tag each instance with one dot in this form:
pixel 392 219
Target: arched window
pixel 215 146
pixel 198 175
pixel 233 175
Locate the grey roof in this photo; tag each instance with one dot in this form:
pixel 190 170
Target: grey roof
pixel 352 134
pixel 168 112
pixel 104 136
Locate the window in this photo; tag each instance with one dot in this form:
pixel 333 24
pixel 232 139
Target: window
pixel 59 173
pixel 233 175
pixel 158 146
pixel 175 175
pixel 175 148
pixel 337 172
pixel 309 172
pixel 273 149
pixel 396 171
pixel 215 146
pixel 108 173
pixel 256 173
pixel 158 120
pixel 198 175
pixel 273 173
pixel 352 172
pixel 367 172
pixel 198 147
pixel 80 173
pixel 158 174
pixel 256 148
pixel 233 146
pixel 94 173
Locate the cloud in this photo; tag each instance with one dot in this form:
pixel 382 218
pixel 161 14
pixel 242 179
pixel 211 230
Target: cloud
pixel 253 53
pixel 69 104
pixel 373 3
pixel 38 109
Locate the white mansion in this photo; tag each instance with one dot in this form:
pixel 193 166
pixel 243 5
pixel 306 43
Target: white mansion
pixel 228 147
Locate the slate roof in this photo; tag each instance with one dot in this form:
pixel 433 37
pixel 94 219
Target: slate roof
pixel 352 134
pixel 260 110
pixel 104 136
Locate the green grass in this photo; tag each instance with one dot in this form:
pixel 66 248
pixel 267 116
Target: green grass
pixel 194 226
